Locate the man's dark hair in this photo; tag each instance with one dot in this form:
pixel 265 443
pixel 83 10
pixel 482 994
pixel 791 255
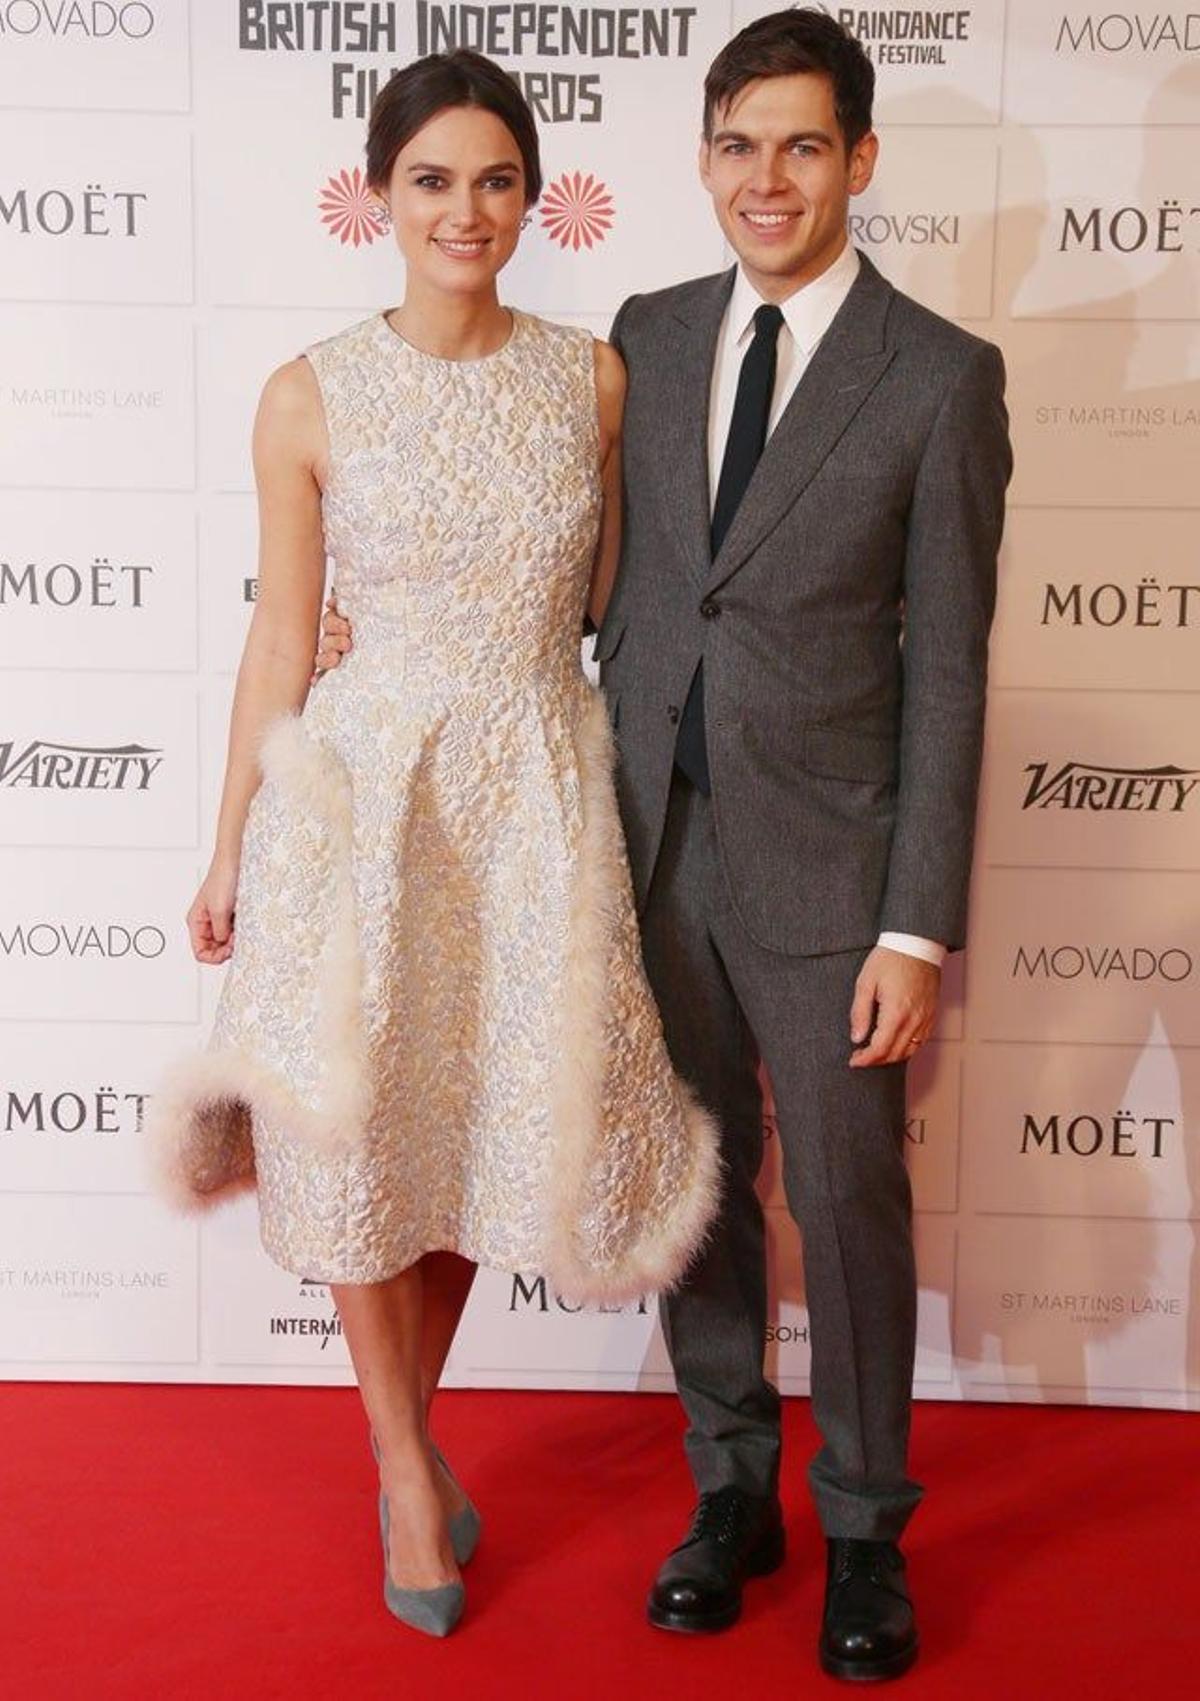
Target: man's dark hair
pixel 780 45
pixel 428 86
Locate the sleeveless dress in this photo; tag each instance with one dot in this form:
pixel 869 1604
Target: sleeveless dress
pixel 435 1032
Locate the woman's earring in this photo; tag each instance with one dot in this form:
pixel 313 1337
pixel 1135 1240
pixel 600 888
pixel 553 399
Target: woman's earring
pixel 527 221
pixel 383 215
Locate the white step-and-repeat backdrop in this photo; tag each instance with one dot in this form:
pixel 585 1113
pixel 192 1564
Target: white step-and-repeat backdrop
pixel 181 208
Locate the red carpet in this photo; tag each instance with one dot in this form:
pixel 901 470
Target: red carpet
pixel 221 1542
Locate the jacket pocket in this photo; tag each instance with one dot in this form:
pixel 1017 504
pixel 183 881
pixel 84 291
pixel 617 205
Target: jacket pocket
pixel 841 755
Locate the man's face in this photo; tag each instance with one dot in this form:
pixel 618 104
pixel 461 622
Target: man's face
pixel 781 180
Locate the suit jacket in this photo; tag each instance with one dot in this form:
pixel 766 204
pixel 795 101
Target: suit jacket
pixel 843 624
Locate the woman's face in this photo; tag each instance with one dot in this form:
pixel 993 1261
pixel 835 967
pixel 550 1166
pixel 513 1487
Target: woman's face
pixel 457 198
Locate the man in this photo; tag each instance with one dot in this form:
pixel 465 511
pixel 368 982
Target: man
pixel 795 656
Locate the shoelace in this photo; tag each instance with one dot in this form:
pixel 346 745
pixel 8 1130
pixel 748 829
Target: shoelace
pixel 720 1517
pixel 863 1559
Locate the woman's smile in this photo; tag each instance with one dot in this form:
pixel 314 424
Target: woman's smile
pixel 462 247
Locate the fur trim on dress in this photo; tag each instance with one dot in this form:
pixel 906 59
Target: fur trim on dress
pixel 199 1125
pixel 666 1244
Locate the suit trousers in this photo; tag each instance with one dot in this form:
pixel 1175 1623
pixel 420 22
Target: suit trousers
pixel 726 1002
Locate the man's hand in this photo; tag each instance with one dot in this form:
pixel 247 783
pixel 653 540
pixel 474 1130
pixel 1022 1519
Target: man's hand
pixel 336 641
pixel 895 1003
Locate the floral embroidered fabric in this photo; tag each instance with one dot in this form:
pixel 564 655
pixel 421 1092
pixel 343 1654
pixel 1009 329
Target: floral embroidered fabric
pixel 435 1032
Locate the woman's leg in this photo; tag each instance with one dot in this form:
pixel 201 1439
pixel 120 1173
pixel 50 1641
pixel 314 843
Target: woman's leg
pixel 447 1282
pixel 384 1328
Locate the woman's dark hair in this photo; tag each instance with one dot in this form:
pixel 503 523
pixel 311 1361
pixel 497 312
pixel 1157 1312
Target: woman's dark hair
pixel 784 43
pixel 428 86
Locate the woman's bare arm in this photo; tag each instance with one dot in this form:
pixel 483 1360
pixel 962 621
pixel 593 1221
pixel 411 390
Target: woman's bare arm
pixel 276 666
pixel 610 395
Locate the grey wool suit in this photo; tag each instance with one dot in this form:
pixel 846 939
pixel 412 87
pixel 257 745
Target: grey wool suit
pixel 843 628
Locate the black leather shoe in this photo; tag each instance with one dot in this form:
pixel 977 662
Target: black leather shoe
pixel 869 1631
pixel 734 1535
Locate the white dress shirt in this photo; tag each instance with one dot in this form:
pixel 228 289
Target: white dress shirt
pixel 807 315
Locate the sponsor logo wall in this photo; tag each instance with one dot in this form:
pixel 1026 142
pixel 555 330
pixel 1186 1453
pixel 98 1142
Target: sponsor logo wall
pixel 183 207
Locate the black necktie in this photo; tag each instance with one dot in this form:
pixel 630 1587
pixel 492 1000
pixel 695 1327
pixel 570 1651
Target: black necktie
pixel 744 445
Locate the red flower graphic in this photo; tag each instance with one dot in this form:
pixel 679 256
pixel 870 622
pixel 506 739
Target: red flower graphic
pixel 577 210
pixel 351 212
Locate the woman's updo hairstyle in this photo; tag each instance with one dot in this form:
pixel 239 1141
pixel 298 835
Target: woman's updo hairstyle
pixel 428 86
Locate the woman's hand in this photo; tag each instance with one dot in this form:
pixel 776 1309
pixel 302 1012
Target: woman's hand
pixel 336 640
pixel 210 918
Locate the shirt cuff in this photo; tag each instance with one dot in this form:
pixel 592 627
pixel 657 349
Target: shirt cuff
pixel 928 950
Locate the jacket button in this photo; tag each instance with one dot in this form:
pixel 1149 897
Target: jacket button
pixel 710 610
pixel 672 713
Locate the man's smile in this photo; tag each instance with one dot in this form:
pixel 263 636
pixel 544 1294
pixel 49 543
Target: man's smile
pixel 768 223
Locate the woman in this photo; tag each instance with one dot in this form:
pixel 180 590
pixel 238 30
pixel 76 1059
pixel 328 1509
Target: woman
pixel 435 1046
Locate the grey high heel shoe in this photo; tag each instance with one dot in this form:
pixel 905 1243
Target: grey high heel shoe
pixel 435 1611
pixel 466 1526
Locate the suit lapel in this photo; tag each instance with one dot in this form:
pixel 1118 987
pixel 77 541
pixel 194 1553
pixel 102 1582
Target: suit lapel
pixel 846 367
pixel 682 453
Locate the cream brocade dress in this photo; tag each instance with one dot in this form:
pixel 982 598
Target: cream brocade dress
pixel 435 1032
